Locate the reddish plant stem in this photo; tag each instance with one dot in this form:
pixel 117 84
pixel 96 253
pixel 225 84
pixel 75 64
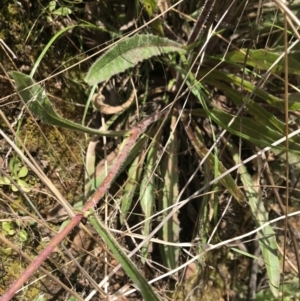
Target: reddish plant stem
pixel 204 17
pixel 91 203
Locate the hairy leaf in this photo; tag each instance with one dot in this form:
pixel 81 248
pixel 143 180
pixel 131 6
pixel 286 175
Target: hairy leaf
pixel 127 54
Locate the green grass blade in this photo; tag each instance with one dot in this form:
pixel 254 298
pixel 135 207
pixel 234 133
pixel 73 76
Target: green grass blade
pixel 148 188
pixel 38 61
pixel 168 196
pixel 250 129
pixel 253 130
pixel 263 60
pixel 267 239
pixel 225 81
pixel 128 266
pixel 131 186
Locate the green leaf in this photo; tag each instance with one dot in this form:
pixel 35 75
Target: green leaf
pixel 252 129
pixel 23 172
pixel 245 254
pixel 24 185
pixel 263 60
pixel 62 11
pixel 23 235
pixel 128 266
pixel 63 225
pixel 8 227
pixel 14 165
pixel 49 44
pixel 131 186
pixel 39 105
pixel 225 81
pixel 5 251
pixel 148 187
pixel 127 54
pixel 14 188
pixel 52 5
pixel 267 238
pixel 169 174
pixel 263 131
pixel 4 181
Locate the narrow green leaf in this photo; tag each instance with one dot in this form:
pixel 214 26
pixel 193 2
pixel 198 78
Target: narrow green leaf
pixel 267 238
pixel 253 130
pixel 49 44
pixel 245 254
pixel 225 81
pixel 38 103
pixel 131 186
pixel 14 163
pixel 169 174
pixel 128 266
pixel 263 60
pixel 127 54
pixel 148 187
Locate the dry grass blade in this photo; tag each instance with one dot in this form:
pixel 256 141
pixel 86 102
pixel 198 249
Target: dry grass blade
pixel 227 181
pixel 227 74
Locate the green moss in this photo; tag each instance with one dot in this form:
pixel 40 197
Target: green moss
pixel 13 269
pixel 12 9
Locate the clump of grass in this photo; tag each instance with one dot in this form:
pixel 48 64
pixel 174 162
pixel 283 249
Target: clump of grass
pixel 196 176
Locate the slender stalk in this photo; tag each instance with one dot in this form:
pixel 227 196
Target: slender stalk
pixel 204 17
pixel 91 203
